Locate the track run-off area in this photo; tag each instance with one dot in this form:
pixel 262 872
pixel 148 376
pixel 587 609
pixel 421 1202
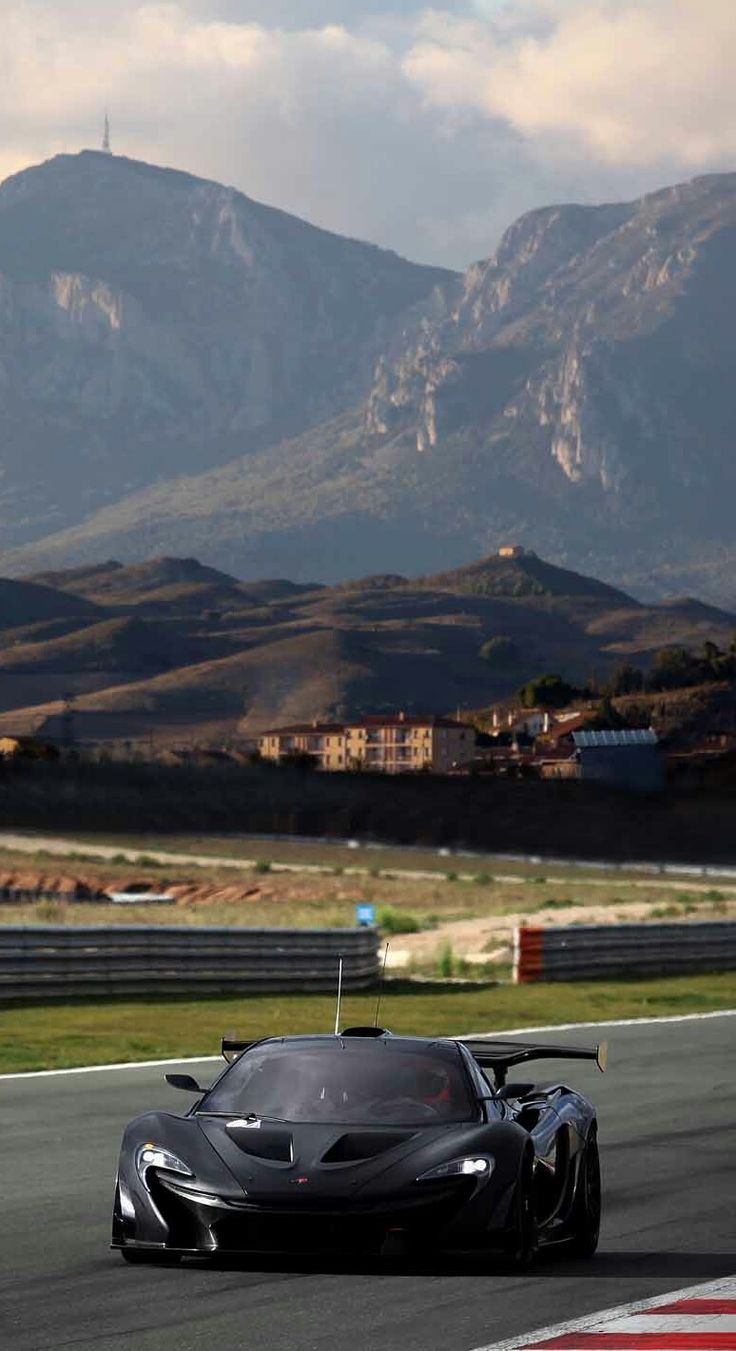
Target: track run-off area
pixel 667 1109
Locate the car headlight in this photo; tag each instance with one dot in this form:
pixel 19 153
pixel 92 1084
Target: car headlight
pixel 475 1165
pixel 154 1156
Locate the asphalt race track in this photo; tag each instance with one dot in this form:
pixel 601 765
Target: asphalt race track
pixel 667 1109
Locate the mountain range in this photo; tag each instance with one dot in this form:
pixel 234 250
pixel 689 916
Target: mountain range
pixel 183 370
pixel 182 652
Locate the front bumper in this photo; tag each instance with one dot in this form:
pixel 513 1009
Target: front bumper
pixel 462 1215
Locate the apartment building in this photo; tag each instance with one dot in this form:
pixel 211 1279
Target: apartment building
pixel 324 740
pixel 391 743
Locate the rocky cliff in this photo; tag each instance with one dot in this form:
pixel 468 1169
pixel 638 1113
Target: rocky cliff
pixel 331 410
pixel 153 324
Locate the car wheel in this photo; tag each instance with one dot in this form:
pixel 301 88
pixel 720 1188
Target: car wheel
pixel 151 1256
pixel 586 1213
pixel 523 1237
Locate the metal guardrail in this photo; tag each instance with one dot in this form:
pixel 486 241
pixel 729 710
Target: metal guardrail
pixel 51 961
pixel 588 951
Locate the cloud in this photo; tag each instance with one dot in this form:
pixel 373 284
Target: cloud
pixel 427 129
pixel 633 81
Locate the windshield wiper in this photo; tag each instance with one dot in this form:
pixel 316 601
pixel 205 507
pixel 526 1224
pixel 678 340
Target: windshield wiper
pixel 248 1116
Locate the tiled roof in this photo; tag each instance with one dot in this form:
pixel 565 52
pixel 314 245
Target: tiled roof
pixel 370 720
pixel 406 720
pixel 567 727
pixel 304 728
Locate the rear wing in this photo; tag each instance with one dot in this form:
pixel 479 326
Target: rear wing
pixel 499 1055
pixel 494 1054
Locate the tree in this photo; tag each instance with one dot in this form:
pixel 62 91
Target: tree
pixel 674 668
pixel 605 716
pixel 546 691
pixel 625 679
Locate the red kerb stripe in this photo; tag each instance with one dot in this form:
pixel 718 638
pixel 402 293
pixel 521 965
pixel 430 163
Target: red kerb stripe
pixel 696 1306
pixel 640 1341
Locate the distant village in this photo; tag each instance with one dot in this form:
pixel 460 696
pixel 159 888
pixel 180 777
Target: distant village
pixel 516 743
pixel 638 730
pixel 522 743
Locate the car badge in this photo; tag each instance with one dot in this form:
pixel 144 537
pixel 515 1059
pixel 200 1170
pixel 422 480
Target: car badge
pixel 299 1181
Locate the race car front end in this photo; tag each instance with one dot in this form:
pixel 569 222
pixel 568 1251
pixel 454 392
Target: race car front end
pixel 415 1191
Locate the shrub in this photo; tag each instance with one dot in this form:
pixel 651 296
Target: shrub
pixel 446 961
pixel 393 921
pixel 262 865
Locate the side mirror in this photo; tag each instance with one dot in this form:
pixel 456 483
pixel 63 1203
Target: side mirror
pixel 185 1082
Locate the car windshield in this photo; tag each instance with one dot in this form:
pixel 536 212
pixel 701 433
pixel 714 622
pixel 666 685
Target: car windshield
pixel 341 1082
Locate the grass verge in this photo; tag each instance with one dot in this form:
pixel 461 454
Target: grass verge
pixel 55 1036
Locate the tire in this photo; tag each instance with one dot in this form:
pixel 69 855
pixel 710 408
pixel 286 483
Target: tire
pixel 586 1211
pixel 523 1237
pixel 150 1256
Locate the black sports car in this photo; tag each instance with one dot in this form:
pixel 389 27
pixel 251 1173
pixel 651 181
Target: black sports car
pixel 364 1141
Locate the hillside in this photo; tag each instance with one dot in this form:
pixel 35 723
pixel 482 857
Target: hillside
pixel 574 389
pixel 125 645
pixel 154 324
pixel 27 602
pixel 157 657
pixel 526 575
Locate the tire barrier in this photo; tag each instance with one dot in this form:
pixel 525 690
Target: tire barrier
pixel 52 961
pixel 590 951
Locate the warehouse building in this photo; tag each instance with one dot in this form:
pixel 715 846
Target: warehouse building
pixel 627 758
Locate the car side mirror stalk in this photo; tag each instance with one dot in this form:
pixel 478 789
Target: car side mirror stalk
pixel 184 1082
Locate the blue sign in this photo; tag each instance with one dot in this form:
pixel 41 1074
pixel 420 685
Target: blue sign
pixel 365 915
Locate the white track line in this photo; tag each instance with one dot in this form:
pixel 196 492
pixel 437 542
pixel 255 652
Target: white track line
pixel 599 1322
pixel 504 1032
pixel 606 1022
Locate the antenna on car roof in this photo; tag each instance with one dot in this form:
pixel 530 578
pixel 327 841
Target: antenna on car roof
pixel 380 985
pixel 339 994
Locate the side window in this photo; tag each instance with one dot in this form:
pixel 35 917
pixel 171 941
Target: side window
pixel 481 1084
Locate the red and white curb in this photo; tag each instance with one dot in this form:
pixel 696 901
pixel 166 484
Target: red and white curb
pixel 700 1318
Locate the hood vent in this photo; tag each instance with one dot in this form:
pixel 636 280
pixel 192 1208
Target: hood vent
pixel 356 1145
pixel 263 1143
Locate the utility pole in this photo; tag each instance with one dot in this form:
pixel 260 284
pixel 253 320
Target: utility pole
pixel 106 148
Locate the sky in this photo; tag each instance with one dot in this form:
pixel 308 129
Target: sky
pixel 423 128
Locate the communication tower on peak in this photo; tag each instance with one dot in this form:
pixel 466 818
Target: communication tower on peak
pixel 106 147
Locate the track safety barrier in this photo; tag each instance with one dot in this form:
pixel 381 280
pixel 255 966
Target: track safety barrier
pixel 53 961
pixel 589 951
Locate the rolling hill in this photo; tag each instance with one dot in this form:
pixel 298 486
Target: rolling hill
pixel 159 659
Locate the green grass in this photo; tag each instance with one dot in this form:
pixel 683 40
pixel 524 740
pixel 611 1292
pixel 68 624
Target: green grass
pixel 56 1035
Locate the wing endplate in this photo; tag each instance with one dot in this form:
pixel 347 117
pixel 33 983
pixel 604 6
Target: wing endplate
pixel 499 1056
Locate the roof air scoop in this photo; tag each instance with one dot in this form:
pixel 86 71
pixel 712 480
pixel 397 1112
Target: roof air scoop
pixel 365 1032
